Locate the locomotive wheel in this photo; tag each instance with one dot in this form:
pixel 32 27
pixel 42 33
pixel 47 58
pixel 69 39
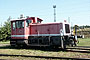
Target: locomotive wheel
pixel 12 45
pixel 73 44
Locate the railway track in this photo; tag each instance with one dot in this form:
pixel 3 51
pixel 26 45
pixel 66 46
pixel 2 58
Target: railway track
pixel 81 49
pixel 46 57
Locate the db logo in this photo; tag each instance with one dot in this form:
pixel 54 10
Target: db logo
pixel 20 31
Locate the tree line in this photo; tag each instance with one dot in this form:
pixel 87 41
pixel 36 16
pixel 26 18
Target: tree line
pixel 5 30
pixel 81 27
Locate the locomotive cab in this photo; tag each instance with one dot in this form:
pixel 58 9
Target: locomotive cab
pixel 20 29
pixel 33 20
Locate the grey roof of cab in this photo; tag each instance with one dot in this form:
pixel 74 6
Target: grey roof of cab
pixel 17 19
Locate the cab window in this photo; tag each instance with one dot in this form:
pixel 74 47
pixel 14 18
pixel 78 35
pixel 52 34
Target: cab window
pixel 27 22
pixel 14 25
pixel 38 21
pixel 20 24
pixel 67 29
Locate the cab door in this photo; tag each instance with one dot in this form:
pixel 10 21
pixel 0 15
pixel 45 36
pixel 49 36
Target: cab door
pixel 13 29
pixel 20 29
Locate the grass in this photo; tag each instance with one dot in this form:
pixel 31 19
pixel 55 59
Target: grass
pixel 84 42
pixel 43 52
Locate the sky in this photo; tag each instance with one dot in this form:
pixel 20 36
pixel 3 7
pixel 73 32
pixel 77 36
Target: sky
pixel 78 11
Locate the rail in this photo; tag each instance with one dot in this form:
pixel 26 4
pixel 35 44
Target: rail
pixel 46 57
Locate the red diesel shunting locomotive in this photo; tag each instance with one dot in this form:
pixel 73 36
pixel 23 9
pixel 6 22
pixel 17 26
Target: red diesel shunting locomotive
pixel 30 31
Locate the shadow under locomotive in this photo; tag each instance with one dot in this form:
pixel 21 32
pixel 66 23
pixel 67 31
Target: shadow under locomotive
pixel 33 48
pixel 80 49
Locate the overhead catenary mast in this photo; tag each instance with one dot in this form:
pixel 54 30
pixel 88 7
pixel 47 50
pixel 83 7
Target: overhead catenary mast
pixel 54 6
pixel 68 19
